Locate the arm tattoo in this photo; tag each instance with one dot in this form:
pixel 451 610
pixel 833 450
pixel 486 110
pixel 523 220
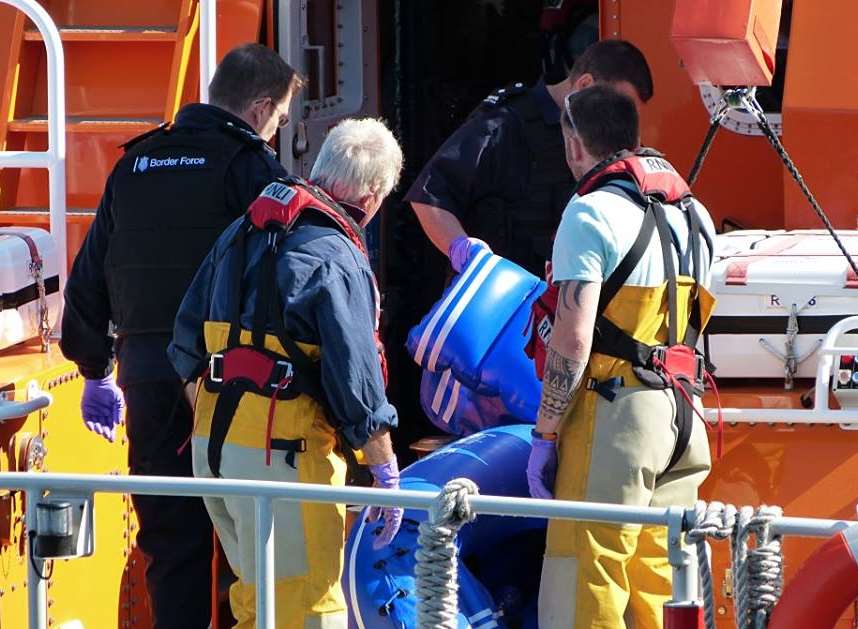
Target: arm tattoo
pixel 561 380
pixel 576 295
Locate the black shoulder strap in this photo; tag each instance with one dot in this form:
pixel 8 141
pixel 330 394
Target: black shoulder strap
pixel 266 289
pixel 236 277
pixel 666 240
pixel 624 269
pixel 696 236
pixel 309 371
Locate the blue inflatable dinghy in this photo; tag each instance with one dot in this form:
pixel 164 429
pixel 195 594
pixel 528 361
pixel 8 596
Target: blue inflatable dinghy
pixel 500 558
pixel 471 348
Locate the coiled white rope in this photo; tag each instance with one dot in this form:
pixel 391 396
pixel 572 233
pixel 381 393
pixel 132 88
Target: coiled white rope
pixel 436 571
pixel 717 521
pixel 757 572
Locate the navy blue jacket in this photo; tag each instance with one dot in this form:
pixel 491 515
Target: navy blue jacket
pixel 329 299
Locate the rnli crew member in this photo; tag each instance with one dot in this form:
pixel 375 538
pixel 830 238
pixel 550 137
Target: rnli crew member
pixel 501 180
pixel 166 201
pixel 283 317
pixel 610 412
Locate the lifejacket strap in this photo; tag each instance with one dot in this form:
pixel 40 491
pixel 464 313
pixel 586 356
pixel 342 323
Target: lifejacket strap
pixel 290 446
pixel 683 420
pixel 629 262
pixel 237 271
pixel 227 403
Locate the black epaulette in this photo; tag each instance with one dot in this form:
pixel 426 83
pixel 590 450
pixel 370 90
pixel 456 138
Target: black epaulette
pixel 143 136
pixel 504 94
pixel 248 136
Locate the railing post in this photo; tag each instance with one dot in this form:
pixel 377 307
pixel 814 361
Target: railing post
pixel 684 611
pixel 208 46
pixel 37 594
pixel 56 152
pixel 264 563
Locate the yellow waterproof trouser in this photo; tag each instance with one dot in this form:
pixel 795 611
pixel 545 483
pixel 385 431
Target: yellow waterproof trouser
pixel 308 537
pixel 603 575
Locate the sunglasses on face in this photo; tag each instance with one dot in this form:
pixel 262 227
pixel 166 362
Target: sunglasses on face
pixel 567 113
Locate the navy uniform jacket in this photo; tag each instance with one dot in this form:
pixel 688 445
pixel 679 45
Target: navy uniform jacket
pixel 85 327
pixel 487 156
pixel 328 293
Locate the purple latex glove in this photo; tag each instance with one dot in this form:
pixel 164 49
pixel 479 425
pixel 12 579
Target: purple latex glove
pixel 542 468
pixel 386 476
pixel 101 406
pixel 462 249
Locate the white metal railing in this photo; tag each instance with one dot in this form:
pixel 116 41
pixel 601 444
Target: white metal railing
pixel 265 492
pixel 821 413
pixel 208 46
pixel 54 158
pixel 36 401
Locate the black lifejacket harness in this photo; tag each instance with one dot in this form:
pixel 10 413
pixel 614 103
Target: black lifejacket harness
pixel 240 368
pixel 677 364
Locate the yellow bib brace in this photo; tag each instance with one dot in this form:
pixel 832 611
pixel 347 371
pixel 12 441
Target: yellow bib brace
pixel 626 438
pixel 596 574
pixel 308 537
pixel 263 396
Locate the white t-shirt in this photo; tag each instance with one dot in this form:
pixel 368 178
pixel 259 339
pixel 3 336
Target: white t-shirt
pixel 598 229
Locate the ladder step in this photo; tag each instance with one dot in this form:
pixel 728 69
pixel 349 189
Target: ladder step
pixel 86 124
pixel 109 34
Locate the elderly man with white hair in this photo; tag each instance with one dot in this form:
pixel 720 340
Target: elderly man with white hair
pixel 279 333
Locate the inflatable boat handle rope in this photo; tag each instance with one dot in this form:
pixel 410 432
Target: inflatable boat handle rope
pixel 757 572
pixel 437 555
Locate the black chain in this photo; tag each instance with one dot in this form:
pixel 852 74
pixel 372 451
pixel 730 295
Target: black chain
pixel 715 124
pixel 762 122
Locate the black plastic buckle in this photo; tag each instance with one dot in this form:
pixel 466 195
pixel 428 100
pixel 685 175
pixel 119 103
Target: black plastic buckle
pixel 700 371
pixel 291 447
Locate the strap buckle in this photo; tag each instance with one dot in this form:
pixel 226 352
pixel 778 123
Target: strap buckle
pixel 216 367
pixel 288 373
pixel 659 355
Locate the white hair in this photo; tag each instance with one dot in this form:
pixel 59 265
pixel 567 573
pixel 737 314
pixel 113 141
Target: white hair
pixel 359 158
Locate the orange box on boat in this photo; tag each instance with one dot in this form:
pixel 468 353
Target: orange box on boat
pixel 727 42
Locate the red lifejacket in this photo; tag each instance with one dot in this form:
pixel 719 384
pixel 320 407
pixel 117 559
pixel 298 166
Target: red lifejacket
pixel 652 176
pixel 241 368
pixel 283 202
pixel 675 364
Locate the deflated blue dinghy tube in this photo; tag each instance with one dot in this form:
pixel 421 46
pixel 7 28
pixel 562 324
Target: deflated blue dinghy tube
pixel 478 331
pixel 456 409
pixel 499 558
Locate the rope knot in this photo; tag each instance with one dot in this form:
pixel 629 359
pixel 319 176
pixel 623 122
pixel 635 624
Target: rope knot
pixel 757 571
pixel 436 572
pixel 452 507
